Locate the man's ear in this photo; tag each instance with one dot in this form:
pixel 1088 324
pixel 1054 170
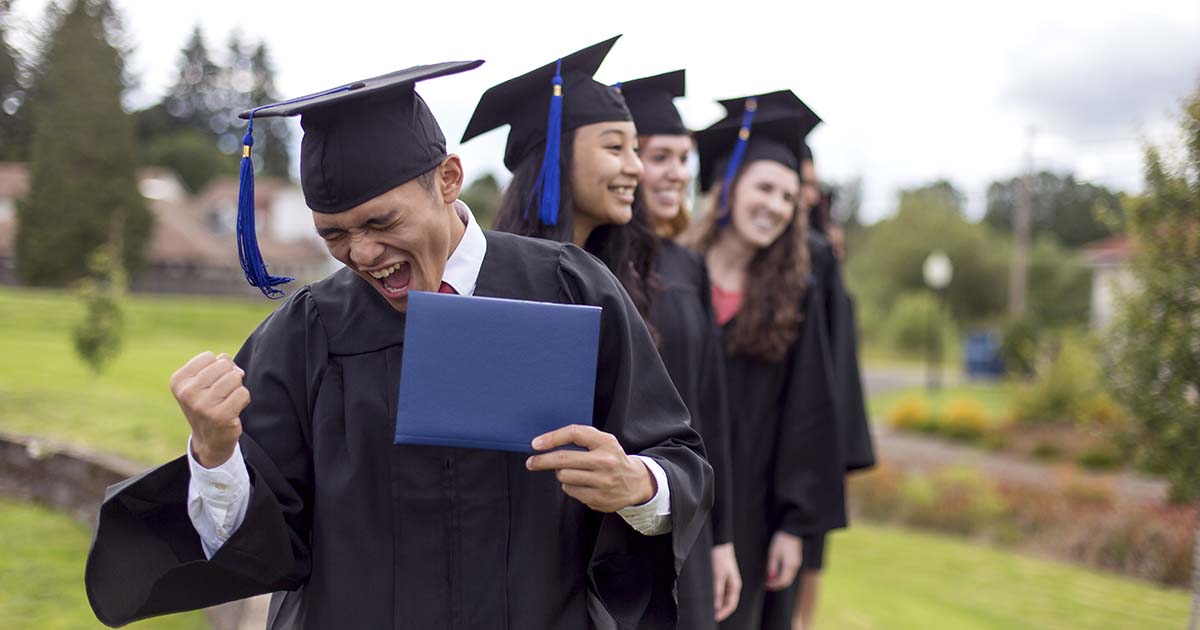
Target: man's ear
pixel 449 181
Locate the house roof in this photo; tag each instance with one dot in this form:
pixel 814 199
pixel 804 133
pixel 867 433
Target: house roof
pixel 1114 250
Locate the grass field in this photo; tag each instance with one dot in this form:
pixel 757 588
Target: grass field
pixel 878 579
pixel 46 390
pixel 41 574
pixel 882 578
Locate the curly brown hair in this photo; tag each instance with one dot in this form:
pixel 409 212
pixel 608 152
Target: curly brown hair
pixel 777 279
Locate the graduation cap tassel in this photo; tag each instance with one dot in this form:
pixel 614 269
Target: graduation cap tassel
pixel 247 238
pixel 548 182
pixel 735 159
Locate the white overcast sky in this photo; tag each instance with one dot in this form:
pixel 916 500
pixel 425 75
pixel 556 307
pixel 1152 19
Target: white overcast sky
pixel 910 91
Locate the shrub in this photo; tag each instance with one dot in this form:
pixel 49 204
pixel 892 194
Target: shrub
pixel 876 495
pixel 1046 451
pixel 1102 458
pixel 910 413
pixel 1089 493
pixel 1019 345
pixel 964 419
pixel 1061 389
pixel 909 324
pixel 956 500
pixel 1103 410
pixel 99 334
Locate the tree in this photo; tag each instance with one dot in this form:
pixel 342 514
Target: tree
pixel 940 193
pixel 14 118
pixel 483 197
pixel 1074 212
pixel 99 333
pixel 1155 366
pixel 887 261
pixel 195 128
pixel 82 182
pixel 272 147
pixel 193 99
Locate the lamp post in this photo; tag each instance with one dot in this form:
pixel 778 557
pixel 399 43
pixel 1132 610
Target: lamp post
pixel 937 271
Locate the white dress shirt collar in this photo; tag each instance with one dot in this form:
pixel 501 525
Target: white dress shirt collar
pixel 462 268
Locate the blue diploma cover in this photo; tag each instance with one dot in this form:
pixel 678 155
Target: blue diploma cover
pixel 494 373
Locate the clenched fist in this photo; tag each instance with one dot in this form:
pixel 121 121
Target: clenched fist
pixel 210 393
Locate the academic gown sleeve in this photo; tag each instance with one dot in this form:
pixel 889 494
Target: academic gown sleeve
pixel 855 434
pixel 146 558
pixel 809 474
pixel 632 577
pixel 715 405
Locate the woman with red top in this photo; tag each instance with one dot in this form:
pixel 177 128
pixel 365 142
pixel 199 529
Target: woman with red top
pixel 787 467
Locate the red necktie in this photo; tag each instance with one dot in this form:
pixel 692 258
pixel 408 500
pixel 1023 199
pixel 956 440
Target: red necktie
pixel 445 288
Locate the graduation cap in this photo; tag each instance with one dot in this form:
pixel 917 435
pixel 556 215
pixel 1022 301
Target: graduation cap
pixel 763 127
pixel 361 140
pixel 540 106
pixel 651 100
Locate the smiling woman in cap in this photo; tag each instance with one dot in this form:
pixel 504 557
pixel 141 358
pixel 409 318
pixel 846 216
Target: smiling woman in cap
pixel 292 484
pixel 787 471
pixel 688 338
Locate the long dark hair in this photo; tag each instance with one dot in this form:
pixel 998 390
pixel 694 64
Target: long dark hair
pixel 627 250
pixel 776 282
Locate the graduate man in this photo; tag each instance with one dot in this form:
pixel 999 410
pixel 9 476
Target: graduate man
pixel 292 483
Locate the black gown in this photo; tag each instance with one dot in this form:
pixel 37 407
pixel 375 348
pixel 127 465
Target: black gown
pixel 788 471
pixel 368 534
pixel 690 345
pixel 855 434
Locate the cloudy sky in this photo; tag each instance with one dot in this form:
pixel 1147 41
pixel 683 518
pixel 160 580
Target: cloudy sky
pixel 910 91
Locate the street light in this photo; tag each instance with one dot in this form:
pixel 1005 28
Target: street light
pixel 937 271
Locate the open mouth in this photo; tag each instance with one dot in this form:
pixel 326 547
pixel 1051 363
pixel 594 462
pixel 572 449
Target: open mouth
pixel 393 281
pixel 668 197
pixel 623 193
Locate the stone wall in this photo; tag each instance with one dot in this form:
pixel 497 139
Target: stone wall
pixel 72 480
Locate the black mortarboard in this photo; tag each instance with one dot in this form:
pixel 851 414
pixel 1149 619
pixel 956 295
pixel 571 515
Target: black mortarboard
pixel 361 140
pixel 540 106
pixel 652 102
pixel 764 127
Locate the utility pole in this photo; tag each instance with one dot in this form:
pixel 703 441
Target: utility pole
pixel 1018 281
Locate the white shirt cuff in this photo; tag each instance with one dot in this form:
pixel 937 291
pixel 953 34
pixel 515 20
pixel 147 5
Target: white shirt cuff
pixel 654 516
pixel 217 499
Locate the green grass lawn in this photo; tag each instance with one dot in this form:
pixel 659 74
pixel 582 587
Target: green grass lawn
pixel 881 578
pixel 995 398
pixel 878 578
pixel 41 574
pixel 45 389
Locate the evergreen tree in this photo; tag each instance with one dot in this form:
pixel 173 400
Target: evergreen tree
pixel 274 146
pixel 178 132
pixel 83 187
pixel 482 196
pixel 1075 212
pixel 1156 342
pixel 14 119
pixel 193 99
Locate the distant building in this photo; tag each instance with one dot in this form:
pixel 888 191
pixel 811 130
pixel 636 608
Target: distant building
pixel 194 249
pixel 1109 261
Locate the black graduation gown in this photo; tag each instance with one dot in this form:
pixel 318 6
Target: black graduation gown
pixel 855 433
pixel 853 430
pixel 368 534
pixel 689 342
pixel 788 473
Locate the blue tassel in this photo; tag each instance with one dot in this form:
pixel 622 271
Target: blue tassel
pixel 546 190
pixel 247 237
pixel 735 159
